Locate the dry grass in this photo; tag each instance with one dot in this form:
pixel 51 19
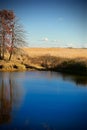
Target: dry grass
pixel 11 66
pixel 56 59
pixel 58 52
pixel 59 59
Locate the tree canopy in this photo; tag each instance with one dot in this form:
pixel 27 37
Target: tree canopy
pixel 11 33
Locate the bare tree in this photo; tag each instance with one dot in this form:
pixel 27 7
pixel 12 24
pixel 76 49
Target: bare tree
pixel 18 37
pixel 11 33
pixel 7 24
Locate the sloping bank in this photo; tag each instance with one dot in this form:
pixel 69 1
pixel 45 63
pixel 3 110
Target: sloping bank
pixel 47 63
pixel 65 65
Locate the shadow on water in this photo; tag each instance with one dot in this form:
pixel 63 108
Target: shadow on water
pixel 10 96
pixel 77 79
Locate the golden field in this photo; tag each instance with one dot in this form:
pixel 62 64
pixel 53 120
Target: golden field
pixel 67 60
pixel 58 52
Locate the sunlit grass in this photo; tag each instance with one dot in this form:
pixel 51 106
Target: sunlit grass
pixel 54 59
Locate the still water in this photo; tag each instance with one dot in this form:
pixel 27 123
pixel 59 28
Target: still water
pixel 42 101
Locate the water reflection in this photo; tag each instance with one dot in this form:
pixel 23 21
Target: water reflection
pixel 77 79
pixel 10 96
pixel 5 102
pixel 42 101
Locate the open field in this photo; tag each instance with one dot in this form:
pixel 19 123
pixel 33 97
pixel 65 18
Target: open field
pixel 66 60
pixel 58 52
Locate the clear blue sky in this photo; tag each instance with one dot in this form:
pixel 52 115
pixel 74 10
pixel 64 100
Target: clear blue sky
pixel 52 23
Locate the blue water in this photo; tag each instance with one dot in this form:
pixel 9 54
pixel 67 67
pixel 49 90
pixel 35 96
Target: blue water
pixel 42 101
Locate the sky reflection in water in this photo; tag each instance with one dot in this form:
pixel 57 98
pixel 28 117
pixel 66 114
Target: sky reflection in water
pixel 42 101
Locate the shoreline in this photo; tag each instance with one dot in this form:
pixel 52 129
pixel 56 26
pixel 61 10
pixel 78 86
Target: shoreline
pixel 69 66
pixel 65 60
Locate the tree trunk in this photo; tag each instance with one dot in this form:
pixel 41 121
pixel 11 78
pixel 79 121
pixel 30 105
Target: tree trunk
pixel 3 44
pixel 0 53
pixel 10 54
pixel 12 44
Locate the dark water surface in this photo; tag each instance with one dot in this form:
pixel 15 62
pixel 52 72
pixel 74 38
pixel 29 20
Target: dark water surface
pixel 42 101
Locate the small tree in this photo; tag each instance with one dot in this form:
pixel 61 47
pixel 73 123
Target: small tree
pixel 11 33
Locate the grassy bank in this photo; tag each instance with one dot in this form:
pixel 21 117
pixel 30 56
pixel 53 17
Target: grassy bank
pixel 52 63
pixel 72 63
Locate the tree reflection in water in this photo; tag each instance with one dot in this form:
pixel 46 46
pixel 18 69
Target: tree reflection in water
pixel 6 102
pixel 10 95
pixel 48 94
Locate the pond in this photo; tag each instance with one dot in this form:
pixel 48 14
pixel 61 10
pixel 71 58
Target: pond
pixel 39 100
